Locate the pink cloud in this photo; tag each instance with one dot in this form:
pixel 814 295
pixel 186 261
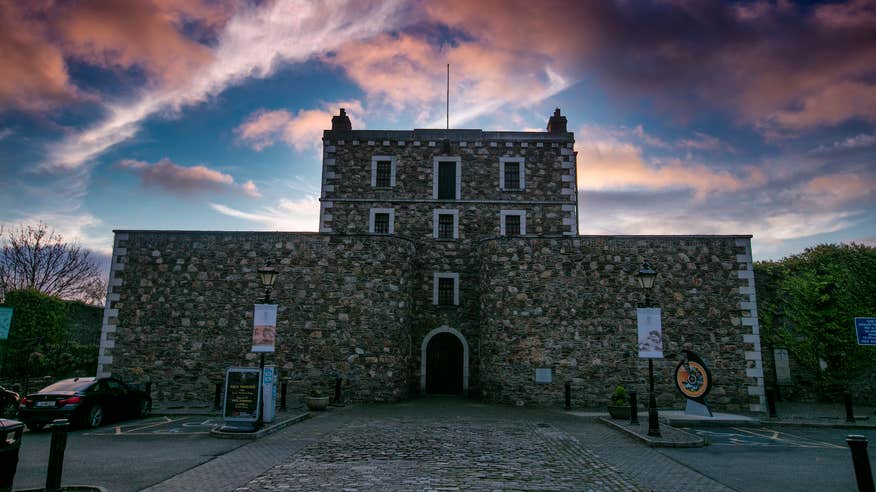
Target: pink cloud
pixel 182 180
pixel 836 190
pixel 303 130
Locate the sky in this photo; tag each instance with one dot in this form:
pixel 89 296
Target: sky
pixel 690 117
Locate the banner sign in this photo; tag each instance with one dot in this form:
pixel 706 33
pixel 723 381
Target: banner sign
pixel 5 322
pixel 865 329
pixel 242 395
pixel 264 329
pixel 650 332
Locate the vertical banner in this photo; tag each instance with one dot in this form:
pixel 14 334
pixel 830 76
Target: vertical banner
pixel 5 322
pixel 650 332
pixel 264 329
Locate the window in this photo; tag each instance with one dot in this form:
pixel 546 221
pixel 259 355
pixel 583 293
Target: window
pixel 445 224
pixel 381 221
pixel 445 289
pixel 383 171
pixel 512 223
pixel 511 173
pixel 446 178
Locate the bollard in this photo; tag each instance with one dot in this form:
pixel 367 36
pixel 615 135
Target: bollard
pixel 56 454
pixel 217 397
pixel 850 412
pixel 634 408
pixel 283 389
pixel 568 392
pixel 863 473
pixel 771 402
pixel 338 397
pixel 10 444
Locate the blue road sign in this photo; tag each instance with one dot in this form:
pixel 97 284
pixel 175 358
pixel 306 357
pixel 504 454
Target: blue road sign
pixel 865 328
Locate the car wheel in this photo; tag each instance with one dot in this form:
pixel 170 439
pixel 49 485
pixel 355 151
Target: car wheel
pixel 8 410
pixel 145 408
pixel 95 416
pixel 35 427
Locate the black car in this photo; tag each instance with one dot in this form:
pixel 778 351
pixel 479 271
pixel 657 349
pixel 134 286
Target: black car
pixel 84 401
pixel 8 403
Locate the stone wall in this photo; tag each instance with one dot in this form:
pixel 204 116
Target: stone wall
pixel 180 310
pixel 568 304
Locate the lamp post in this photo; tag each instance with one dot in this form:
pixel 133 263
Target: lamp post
pixel 268 276
pixel 646 278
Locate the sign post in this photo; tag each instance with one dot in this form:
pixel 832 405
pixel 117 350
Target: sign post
pixel 264 339
pixel 650 341
pixel 242 399
pixel 865 330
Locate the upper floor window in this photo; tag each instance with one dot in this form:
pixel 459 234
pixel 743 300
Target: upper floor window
pixel 383 171
pixel 446 178
pixel 512 223
pixel 511 173
pixel 381 221
pixel 445 289
pixel 445 224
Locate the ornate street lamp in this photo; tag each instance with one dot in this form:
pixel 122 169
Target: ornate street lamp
pixel 268 274
pixel 646 278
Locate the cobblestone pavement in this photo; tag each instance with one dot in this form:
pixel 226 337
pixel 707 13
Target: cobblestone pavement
pixel 451 446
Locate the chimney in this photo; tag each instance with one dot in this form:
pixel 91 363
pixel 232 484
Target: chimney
pixel 341 122
pixel 557 123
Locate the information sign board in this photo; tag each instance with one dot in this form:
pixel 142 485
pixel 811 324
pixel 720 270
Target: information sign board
pixel 650 333
pixel 5 322
pixel 242 394
pixel 865 329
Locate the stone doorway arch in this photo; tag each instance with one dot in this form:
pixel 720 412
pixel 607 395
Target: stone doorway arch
pixel 444 332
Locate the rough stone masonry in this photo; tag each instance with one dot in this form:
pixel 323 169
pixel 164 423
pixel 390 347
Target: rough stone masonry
pixel 447 261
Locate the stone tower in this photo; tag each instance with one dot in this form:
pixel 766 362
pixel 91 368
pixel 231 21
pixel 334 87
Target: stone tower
pixel 447 191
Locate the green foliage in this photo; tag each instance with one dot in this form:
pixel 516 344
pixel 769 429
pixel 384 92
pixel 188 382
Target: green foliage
pixel 807 302
pixel 39 343
pixel 619 398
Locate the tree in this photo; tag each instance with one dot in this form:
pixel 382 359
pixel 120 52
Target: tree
pixel 806 304
pixel 37 258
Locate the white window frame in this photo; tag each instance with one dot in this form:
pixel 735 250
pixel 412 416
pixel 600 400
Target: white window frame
pixel 374 211
pixel 455 277
pixel 392 160
pixel 506 213
pixel 445 211
pixel 521 168
pixel 435 161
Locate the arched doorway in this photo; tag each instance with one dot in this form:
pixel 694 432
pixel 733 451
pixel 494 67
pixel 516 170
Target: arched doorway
pixel 444 362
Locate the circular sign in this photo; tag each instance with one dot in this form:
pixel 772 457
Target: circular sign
pixel 692 379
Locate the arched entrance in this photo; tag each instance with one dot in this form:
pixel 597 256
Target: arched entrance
pixel 444 362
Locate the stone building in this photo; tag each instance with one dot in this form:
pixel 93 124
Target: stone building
pixel 447 262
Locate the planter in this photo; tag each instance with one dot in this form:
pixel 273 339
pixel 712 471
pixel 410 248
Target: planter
pixel 622 412
pixel 317 403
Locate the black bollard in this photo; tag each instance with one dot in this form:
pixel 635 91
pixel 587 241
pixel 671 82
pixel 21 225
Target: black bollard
pixel 771 402
pixel 850 412
pixel 217 397
pixel 283 389
pixel 56 454
pixel 634 408
pixel 568 392
pixel 338 397
pixel 863 473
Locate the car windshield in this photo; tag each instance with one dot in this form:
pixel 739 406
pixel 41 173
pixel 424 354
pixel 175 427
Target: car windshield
pixel 69 385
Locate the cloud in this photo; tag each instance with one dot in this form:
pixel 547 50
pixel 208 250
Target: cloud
pixel 834 190
pixel 180 180
pixel 264 128
pixel 407 71
pixel 605 163
pixel 288 215
pixel 775 65
pixel 35 76
pixel 253 43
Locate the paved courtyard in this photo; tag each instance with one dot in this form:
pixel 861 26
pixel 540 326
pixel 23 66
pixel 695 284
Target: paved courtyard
pixel 433 449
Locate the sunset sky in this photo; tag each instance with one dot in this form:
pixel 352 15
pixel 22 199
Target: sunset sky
pixel 690 117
